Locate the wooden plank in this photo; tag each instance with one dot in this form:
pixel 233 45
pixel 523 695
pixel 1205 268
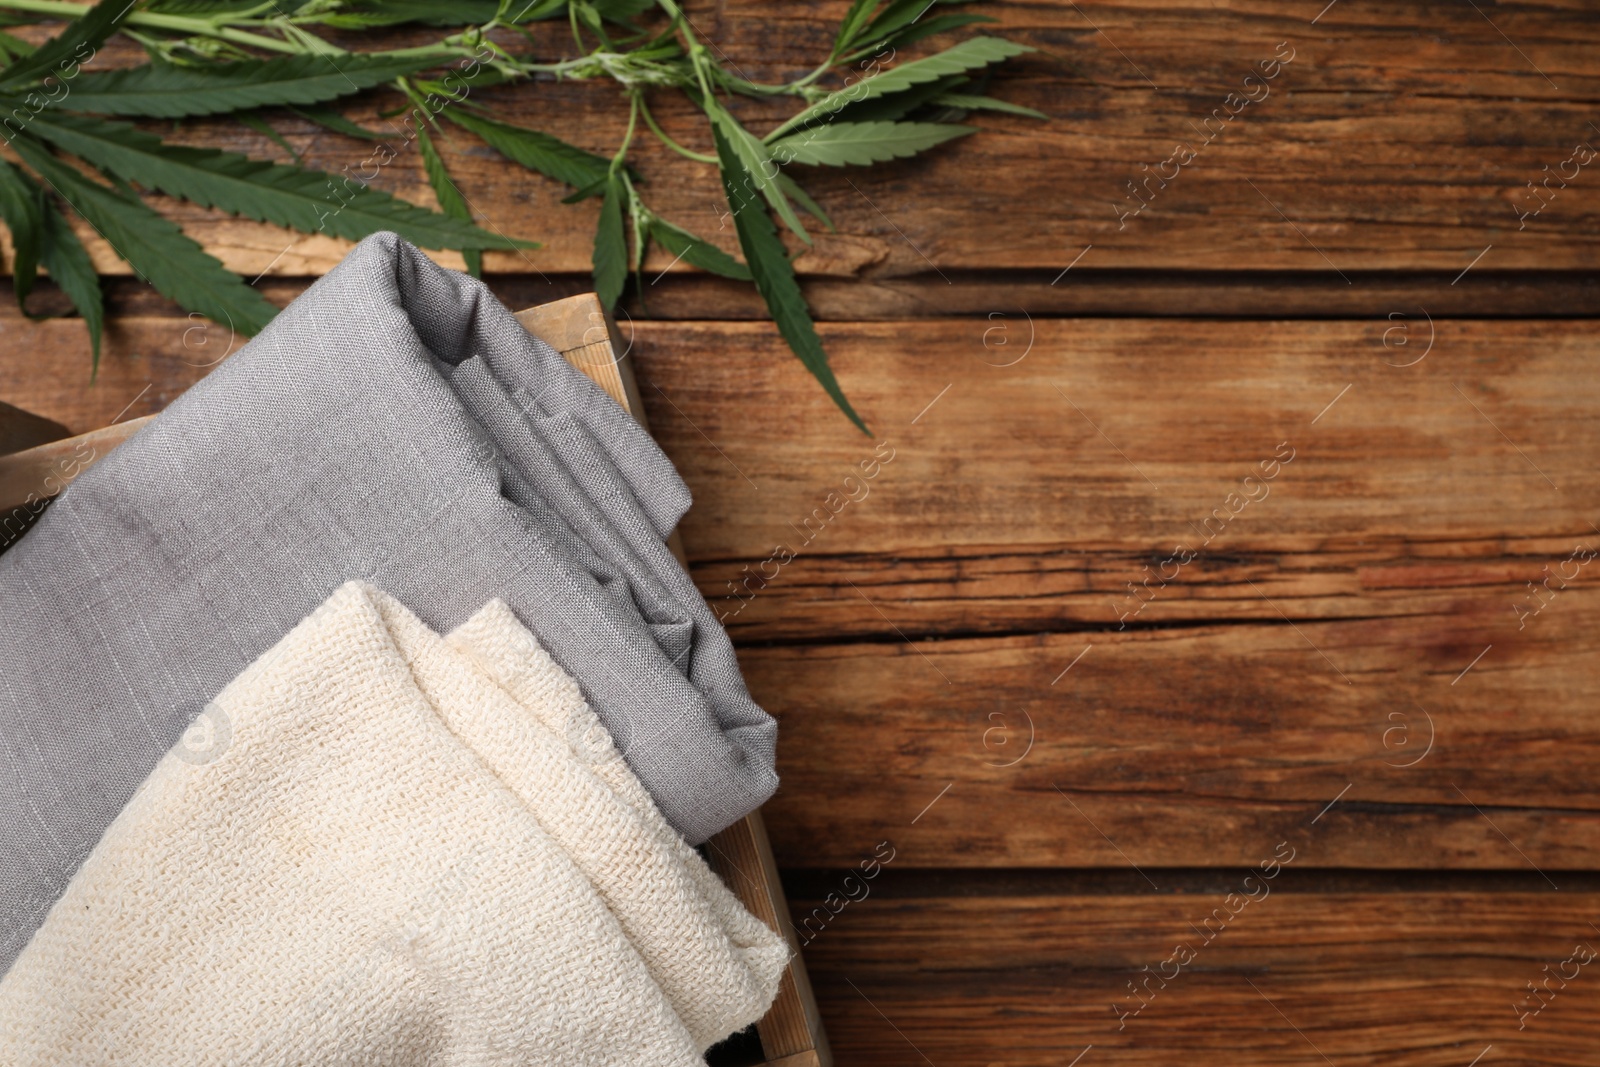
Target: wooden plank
pixel 1407 453
pixel 1188 746
pixel 1132 432
pixel 1128 293
pixel 1424 979
pixel 976 589
pixel 32 476
pixel 799 1059
pixel 1243 294
pixel 23 498
pixel 792 1032
pixel 1424 123
pixel 146 365
pixel 22 429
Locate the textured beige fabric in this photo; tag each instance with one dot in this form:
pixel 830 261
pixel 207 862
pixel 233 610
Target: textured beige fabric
pixel 401 849
pixel 715 961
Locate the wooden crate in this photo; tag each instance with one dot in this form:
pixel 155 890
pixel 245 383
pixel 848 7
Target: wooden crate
pixel 791 1034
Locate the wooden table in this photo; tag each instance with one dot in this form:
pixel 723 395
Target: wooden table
pixel 1182 651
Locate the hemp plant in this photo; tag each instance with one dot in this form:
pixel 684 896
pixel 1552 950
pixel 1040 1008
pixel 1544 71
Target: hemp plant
pixel 240 57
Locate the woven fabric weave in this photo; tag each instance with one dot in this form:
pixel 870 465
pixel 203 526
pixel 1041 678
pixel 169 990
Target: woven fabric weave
pixel 391 848
pixel 397 425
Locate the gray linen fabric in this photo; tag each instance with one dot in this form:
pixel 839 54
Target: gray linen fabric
pixel 396 425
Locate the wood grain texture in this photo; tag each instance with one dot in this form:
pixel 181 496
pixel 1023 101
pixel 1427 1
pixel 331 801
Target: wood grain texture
pixel 1135 431
pixel 998 295
pixel 1455 449
pixel 1400 540
pixel 1189 746
pixel 1420 979
pixel 1398 137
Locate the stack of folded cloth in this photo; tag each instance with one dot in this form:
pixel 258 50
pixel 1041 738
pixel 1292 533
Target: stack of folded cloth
pixel 254 808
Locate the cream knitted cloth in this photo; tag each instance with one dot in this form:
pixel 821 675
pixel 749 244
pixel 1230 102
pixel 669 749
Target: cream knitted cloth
pixel 395 848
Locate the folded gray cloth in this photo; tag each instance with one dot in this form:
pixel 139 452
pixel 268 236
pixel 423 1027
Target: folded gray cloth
pixel 395 425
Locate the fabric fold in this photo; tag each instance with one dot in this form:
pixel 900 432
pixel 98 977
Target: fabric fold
pixel 717 964
pixel 340 444
pixel 391 847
